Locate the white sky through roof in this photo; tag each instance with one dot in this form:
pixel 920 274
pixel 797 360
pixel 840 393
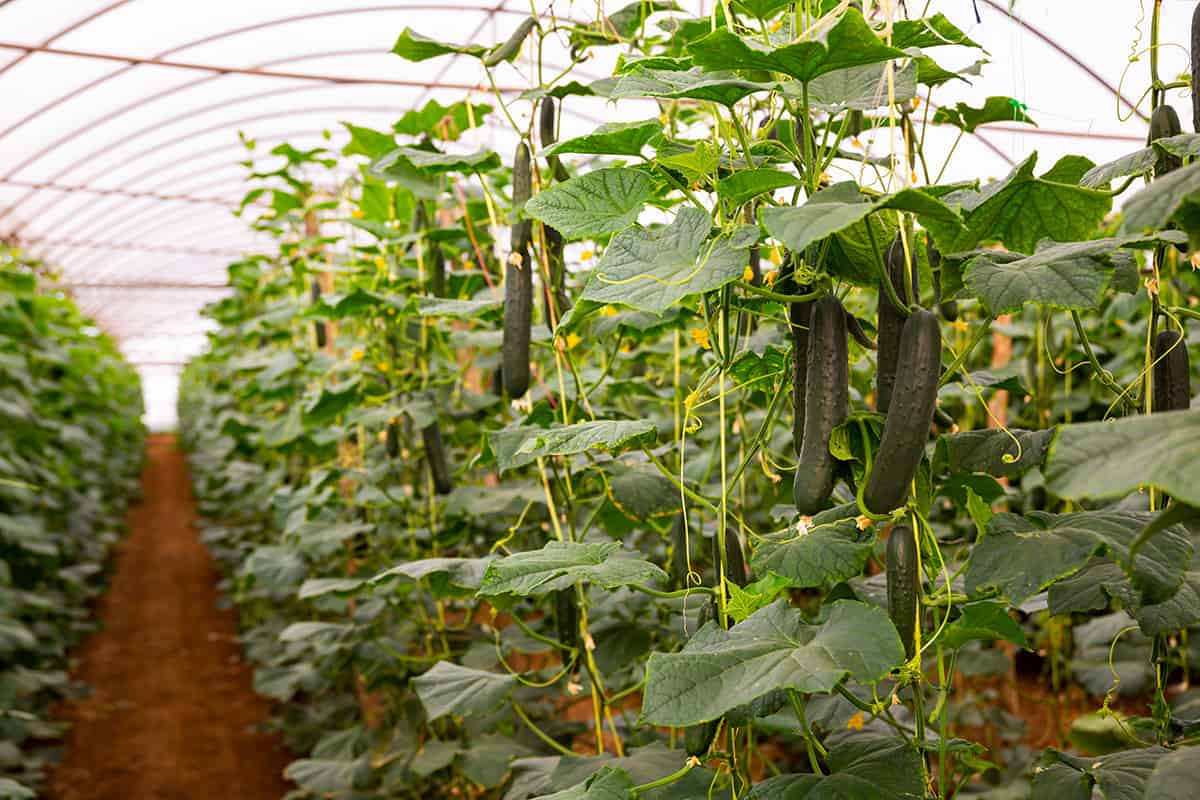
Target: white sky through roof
pixel 124 175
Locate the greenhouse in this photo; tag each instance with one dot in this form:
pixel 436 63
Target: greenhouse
pixel 560 400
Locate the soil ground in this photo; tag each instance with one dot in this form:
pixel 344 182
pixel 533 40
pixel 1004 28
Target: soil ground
pixel 171 714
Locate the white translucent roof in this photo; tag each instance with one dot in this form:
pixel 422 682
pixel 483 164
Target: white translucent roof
pixel 120 118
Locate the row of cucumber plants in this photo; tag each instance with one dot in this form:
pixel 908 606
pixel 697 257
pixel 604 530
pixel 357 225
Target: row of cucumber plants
pixel 715 453
pixel 70 452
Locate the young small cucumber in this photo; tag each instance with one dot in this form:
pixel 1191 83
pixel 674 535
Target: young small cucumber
pixel 799 319
pixel 826 404
pixel 393 439
pixel 566 617
pixel 947 308
pixel 890 323
pixel 518 285
pixel 904 585
pixel 909 416
pixel 318 326
pixel 735 561
pixel 435 454
pixel 1164 123
pixel 1172 383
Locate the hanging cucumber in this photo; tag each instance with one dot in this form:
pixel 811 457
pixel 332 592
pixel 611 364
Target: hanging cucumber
pixel 1172 373
pixel 566 618
pixel 437 270
pixel 799 318
pixel 518 284
pixel 393 439
pixel 890 323
pixel 1164 123
pixel 904 585
pixel 435 454
pixel 735 562
pixel 909 416
pixel 678 553
pixel 512 45
pixel 318 326
pixel 1195 51
pixel 698 739
pixel 547 136
pixel 826 404
pixel 947 308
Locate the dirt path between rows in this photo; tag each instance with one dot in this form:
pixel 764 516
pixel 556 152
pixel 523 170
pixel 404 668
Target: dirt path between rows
pixel 172 715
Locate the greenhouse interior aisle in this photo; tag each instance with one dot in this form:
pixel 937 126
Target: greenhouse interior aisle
pixel 171 712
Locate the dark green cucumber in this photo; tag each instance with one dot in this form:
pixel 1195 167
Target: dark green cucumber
pixel 697 739
pixel 890 322
pixel 909 416
pixel 855 329
pixel 735 561
pixel 799 318
pixel 1195 51
pixel 546 120
pixel 518 285
pixel 1172 373
pixel 1164 123
pixel 393 439
pixel 948 308
pixel 566 618
pixel 557 269
pixel 318 326
pixel 678 557
pixel 435 454
pixel 904 585
pixel 436 263
pixel 512 45
pixel 826 404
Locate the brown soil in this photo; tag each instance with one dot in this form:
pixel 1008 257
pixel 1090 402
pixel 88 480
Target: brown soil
pixel 172 715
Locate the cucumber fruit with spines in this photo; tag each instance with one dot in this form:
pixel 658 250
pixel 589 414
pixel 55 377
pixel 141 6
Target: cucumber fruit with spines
pixel 904 585
pixel 909 415
pixel 1164 123
pixel 826 404
pixel 1171 380
pixel 890 323
pixel 799 318
pixel 735 561
pixel 518 284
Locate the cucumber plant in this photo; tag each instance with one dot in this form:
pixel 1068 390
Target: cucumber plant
pixel 542 616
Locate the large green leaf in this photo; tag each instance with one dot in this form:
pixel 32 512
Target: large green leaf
pixel 1071 276
pixel 1023 209
pixel 1174 776
pixel 433 162
pixel 611 138
pixel 839 207
pixel 1021 556
pixel 515 447
pixel 865 766
pixel 412 46
pixel 1111 459
pixel 994 109
pixel 592 204
pixel 560 564
pixel 651 269
pixel 862 88
pixel 607 784
pixel 725 88
pixel 984 620
pixel 849 43
pixel 1001 453
pixel 1119 776
pixel 746 184
pixel 828 552
pixel 446 575
pixel 1152 207
pixel 774 649
pixel 448 688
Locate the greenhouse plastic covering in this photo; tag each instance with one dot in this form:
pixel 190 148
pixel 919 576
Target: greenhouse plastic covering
pixel 120 121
